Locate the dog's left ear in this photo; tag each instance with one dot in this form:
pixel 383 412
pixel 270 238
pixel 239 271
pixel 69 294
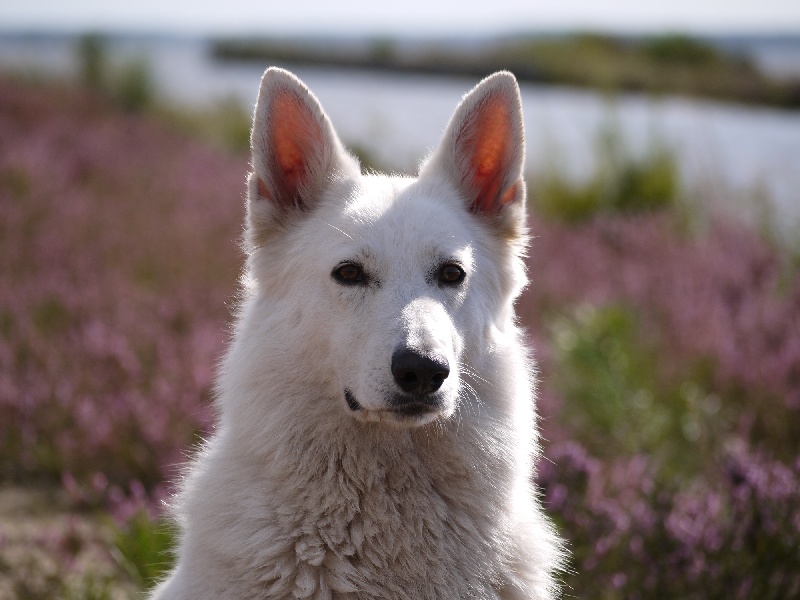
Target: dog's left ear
pixel 483 152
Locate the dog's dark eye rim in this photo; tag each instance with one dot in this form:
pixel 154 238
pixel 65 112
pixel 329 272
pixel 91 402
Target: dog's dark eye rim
pixel 349 273
pixel 451 274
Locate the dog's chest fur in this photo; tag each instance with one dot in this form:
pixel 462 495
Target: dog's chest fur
pixel 393 518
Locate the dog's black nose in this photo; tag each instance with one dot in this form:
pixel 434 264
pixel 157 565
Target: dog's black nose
pixel 419 374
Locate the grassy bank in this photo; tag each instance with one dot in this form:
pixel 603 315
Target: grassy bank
pixel 669 360
pixel 673 64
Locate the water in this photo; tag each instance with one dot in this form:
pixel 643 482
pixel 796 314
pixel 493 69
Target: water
pixel 741 157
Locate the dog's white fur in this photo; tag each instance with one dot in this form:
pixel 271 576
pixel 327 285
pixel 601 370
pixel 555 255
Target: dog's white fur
pixel 299 494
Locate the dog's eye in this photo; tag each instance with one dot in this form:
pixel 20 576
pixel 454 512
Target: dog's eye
pixel 451 274
pixel 349 274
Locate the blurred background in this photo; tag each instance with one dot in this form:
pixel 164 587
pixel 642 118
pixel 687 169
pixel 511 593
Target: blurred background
pixel 663 159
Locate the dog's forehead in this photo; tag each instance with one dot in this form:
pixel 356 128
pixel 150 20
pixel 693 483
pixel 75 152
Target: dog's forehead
pixel 397 212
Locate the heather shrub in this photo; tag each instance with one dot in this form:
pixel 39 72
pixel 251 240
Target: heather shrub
pixel 729 536
pixel 669 400
pixel 718 311
pixel 657 494
pixel 112 306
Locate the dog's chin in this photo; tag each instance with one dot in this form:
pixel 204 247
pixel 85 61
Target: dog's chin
pixel 401 413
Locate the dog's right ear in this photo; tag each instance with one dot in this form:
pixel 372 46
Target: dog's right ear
pixel 295 152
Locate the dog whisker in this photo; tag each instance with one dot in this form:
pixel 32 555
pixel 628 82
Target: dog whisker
pixel 344 233
pixel 469 371
pixel 468 399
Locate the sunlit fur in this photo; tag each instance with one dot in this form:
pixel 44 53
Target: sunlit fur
pixel 298 495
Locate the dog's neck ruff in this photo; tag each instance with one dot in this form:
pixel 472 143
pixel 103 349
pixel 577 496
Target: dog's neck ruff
pixel 351 496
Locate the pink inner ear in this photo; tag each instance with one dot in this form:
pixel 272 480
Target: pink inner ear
pixel 296 139
pixel 489 154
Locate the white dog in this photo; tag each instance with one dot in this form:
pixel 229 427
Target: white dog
pixel 376 425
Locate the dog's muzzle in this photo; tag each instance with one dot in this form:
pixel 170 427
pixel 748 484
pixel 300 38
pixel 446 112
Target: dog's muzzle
pixel 418 378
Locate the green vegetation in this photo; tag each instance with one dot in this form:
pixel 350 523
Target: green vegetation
pixel 226 124
pixel 93 59
pixel 617 399
pixel 144 548
pixel 669 64
pixel 129 85
pixel 682 49
pixel 622 183
pixel 660 65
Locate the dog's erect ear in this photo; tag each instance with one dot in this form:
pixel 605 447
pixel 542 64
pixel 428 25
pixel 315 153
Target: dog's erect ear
pixel 295 150
pixel 483 150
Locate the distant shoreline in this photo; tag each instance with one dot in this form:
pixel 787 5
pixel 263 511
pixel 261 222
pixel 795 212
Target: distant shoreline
pixel 757 70
pixel 670 64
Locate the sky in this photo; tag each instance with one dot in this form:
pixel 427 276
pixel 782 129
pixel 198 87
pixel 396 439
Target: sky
pixel 408 17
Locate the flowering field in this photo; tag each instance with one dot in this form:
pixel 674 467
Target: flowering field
pixel 671 391
pixel 669 357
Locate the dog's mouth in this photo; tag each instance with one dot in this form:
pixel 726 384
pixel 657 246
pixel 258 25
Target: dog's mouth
pixel 415 409
pixel 402 410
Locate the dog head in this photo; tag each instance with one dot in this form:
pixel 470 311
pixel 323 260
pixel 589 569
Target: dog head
pixel 392 295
